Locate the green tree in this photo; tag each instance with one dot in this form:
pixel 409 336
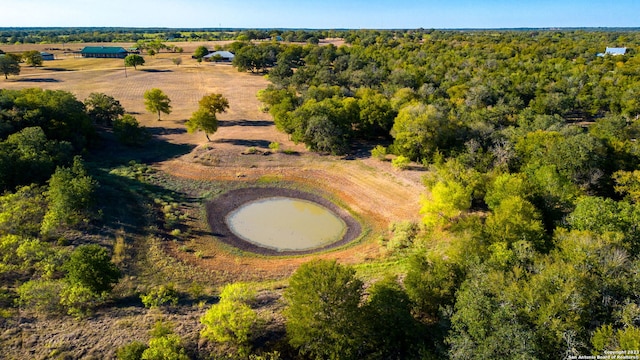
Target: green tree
pixel 231 321
pixel 69 197
pixel 446 202
pixel 515 219
pixel 156 102
pixel 102 108
pixel 201 51
pixel 33 58
pixel 205 119
pixel 486 324
pixel 420 130
pixel 322 313
pixel 9 65
pixel 431 282
pixel 129 132
pixel 176 61
pixel 22 211
pixel 133 60
pixel 90 266
pixel 391 331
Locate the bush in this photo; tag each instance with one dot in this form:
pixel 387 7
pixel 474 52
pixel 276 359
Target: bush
pixel 275 146
pixel 401 162
pixel 404 234
pixel 131 351
pixel 90 266
pixel 379 152
pixel 159 296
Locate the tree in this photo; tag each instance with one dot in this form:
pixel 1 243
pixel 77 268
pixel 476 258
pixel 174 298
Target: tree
pixel 69 196
pixel 102 108
pixel 129 132
pixel 201 51
pixel 156 102
pixel 446 202
pixel 322 314
pixel 420 130
pixel 133 60
pixel 204 119
pixel 90 266
pixel 21 212
pixel 9 65
pixel 33 58
pixel 176 61
pixel 232 319
pixel 391 330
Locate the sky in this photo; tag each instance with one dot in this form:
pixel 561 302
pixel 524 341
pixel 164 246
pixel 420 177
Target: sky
pixel 325 14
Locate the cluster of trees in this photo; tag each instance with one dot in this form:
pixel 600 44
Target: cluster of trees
pixel 10 63
pixel 47 193
pixel 108 35
pixel 478 83
pixel 528 246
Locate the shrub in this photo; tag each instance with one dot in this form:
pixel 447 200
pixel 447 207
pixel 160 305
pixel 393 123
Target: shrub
pixel 275 146
pixel 131 351
pixel 159 296
pixel 90 266
pixel 401 162
pixel 404 234
pixel 379 152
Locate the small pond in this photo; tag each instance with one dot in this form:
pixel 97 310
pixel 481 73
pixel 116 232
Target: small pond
pixel 286 224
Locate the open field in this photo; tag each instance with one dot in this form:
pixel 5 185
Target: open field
pixel 371 189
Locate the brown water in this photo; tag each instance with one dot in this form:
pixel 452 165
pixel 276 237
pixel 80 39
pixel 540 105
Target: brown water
pixel 286 224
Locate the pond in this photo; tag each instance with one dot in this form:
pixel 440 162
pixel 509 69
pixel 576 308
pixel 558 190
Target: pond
pixel 286 224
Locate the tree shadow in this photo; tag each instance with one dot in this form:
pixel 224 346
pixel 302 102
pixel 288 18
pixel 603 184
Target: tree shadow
pixel 40 80
pixel 55 69
pixel 159 130
pixel 257 123
pixel 243 142
pixel 155 70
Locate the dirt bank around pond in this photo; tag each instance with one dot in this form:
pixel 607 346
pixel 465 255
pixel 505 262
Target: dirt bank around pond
pixel 221 206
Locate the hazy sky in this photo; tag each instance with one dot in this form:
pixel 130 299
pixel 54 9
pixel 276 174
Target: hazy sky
pixel 324 14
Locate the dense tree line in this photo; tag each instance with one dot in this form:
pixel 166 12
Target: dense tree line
pixel 528 246
pixel 92 35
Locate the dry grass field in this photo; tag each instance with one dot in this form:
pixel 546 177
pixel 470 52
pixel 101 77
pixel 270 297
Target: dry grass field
pixel 371 188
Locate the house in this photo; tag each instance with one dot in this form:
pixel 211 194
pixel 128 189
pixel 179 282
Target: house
pixel 614 51
pixel 109 52
pixel 47 56
pixel 219 56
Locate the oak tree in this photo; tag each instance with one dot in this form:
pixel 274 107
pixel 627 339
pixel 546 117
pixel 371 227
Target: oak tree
pixel 157 101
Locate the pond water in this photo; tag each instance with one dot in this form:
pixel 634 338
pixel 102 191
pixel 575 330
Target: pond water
pixel 286 224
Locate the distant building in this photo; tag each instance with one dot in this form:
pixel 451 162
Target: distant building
pixel 47 56
pixel 107 52
pixel 614 51
pixel 219 56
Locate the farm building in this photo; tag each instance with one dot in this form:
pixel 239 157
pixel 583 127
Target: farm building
pixel 614 51
pixel 219 56
pixel 47 56
pixel 104 52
